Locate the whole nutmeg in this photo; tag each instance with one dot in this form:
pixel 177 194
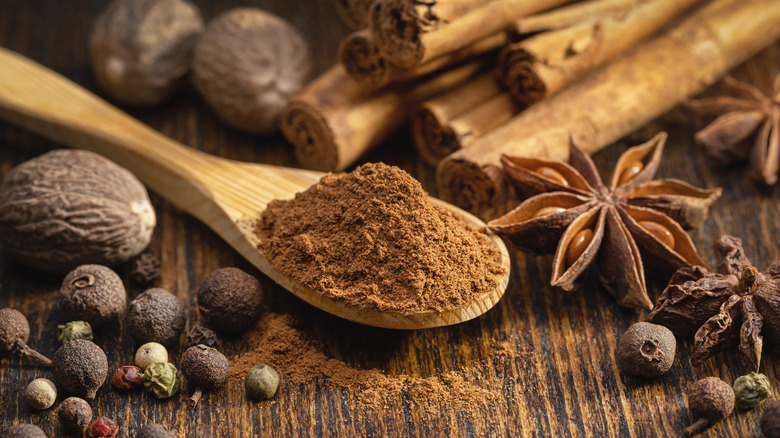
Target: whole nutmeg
pixel 93 293
pixel 751 389
pixel 770 420
pixel 163 379
pixel 205 367
pixel 80 368
pixel 74 414
pixel 152 430
pixel 247 64
pixel 149 353
pixel 229 299
pixel 71 207
pixel 646 349
pixel 41 393
pixel 709 401
pixel 156 316
pixel 23 431
pixel 141 49
pixel 261 382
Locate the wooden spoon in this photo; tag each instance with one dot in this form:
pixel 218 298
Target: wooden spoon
pixel 226 195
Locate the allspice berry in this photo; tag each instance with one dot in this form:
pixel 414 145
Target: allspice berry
pixel 163 379
pixel 230 299
pixel 646 349
pixel 261 382
pixel 141 49
pixel 156 316
pixel 709 401
pixel 74 330
pixel 93 293
pixel 770 420
pixel 204 367
pixel 14 332
pixel 41 393
pixel 149 353
pixel 74 414
pixel 751 389
pixel 152 430
pixel 23 431
pixel 202 335
pixel 247 64
pixel 80 368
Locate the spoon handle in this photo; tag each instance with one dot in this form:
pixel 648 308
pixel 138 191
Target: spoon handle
pixel 46 103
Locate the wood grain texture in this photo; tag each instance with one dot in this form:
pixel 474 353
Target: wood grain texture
pixel 562 378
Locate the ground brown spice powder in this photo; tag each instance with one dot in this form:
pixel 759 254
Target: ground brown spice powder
pixel 275 341
pixel 371 238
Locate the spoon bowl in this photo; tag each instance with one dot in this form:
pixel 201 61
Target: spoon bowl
pixel 228 196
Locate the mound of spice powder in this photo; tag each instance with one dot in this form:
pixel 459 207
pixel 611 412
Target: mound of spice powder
pixel 372 239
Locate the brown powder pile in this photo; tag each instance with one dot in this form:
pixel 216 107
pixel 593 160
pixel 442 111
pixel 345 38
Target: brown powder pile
pixel 276 342
pixel 372 238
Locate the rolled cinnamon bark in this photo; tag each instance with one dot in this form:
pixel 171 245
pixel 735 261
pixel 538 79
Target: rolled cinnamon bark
pixel 543 64
pixel 567 16
pixel 410 33
pixel 453 120
pixel 355 13
pixel 362 60
pixel 616 100
pixel 334 120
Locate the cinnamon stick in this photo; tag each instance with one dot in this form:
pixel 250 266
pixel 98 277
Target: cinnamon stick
pixel 334 120
pixel 616 100
pixel 362 60
pixel 459 117
pixel 567 16
pixel 354 12
pixel 543 64
pixel 410 33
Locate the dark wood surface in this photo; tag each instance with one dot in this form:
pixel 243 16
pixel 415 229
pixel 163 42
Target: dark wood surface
pixel 560 377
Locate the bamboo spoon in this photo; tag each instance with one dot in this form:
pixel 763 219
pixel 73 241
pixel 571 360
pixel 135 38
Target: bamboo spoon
pixel 226 195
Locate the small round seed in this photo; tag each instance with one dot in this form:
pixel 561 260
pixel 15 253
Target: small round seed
pixel 553 175
pixel 659 231
pixel 546 211
pixel 577 245
pixel 630 172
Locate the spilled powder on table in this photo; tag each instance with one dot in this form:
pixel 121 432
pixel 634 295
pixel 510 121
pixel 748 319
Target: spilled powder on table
pixel 276 342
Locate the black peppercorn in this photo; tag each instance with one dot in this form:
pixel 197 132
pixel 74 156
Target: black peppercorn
pixel 646 349
pixel 770 420
pixel 229 299
pixel 709 400
pixel 93 293
pixel 156 316
pixel 80 367
pixel 146 269
pixel 152 430
pixel 205 367
pixel 14 332
pixel 74 414
pixel 202 335
pixel 23 431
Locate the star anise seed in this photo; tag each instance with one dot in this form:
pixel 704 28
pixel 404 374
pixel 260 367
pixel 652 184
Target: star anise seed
pixel 746 126
pixel 738 304
pixel 587 223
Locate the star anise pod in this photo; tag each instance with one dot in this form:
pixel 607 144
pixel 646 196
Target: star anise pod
pixel 736 304
pixel 572 213
pixel 746 126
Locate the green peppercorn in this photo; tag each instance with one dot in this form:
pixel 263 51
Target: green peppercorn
pixel 261 382
pixel 74 330
pixel 163 379
pixel 751 390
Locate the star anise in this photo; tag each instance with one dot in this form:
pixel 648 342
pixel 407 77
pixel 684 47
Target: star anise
pixel 572 213
pixel 736 304
pixel 746 126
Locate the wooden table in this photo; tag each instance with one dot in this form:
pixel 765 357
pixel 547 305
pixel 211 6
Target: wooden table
pixel 555 371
